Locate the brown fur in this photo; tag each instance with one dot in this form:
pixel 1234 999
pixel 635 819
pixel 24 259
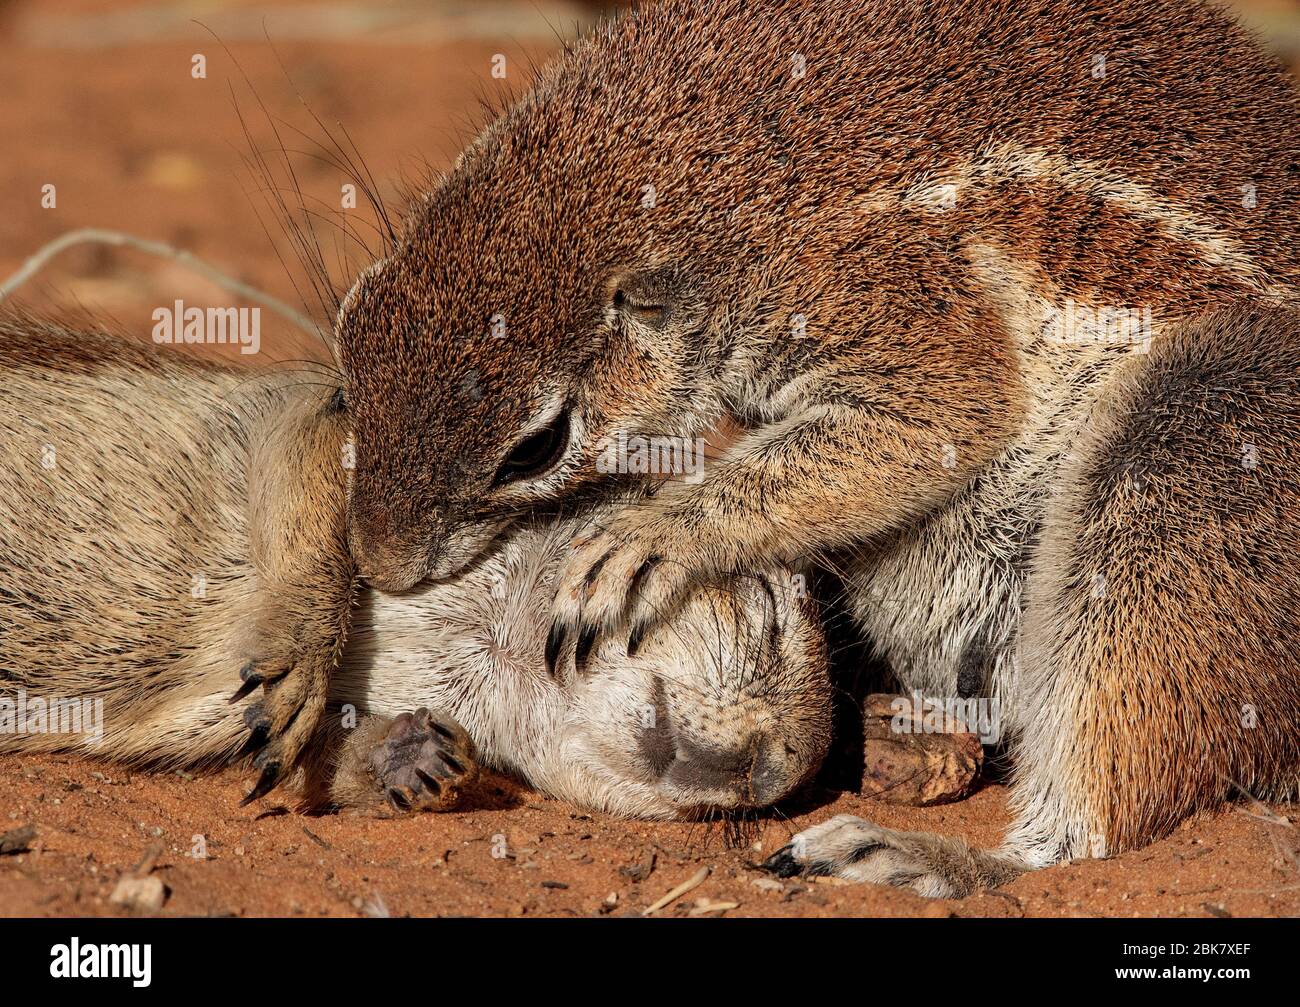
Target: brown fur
pixel 779 196
pixel 942 179
pixel 1158 653
pixel 1168 580
pixel 190 524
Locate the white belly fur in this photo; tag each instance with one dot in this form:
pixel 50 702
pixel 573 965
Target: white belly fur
pixel 950 588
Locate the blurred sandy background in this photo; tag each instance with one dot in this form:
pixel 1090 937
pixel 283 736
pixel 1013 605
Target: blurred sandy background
pixel 99 101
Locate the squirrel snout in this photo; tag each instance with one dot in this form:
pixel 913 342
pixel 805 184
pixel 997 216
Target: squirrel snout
pixel 395 564
pixel 385 565
pixel 752 773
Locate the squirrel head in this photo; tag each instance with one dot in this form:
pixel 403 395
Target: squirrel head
pixel 559 287
pixel 490 358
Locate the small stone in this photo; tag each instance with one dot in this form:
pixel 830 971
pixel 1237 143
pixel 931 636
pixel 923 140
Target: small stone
pixel 17 840
pixel 906 761
pixel 141 895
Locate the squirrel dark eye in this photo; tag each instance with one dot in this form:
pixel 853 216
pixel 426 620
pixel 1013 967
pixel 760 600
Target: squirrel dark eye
pixel 536 453
pixel 645 310
pixel 336 404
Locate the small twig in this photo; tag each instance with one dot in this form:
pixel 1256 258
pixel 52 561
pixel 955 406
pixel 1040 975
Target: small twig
pixel 100 236
pixel 695 881
pixel 147 862
pixel 316 839
pixel 1261 813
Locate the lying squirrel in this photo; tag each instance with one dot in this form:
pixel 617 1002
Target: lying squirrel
pixel 169 523
pixel 940 261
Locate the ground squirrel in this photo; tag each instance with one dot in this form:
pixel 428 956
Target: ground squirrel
pixel 930 256
pixel 170 524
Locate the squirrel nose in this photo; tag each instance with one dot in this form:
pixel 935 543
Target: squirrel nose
pixel 754 770
pixel 384 566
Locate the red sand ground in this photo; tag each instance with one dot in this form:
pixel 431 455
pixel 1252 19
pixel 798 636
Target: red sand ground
pixel 95 822
pixel 99 101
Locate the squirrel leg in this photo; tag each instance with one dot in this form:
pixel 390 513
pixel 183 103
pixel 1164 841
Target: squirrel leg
pixel 845 454
pixel 1158 653
pixel 306 582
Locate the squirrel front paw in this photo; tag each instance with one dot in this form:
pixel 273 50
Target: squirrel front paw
pixel 423 762
pixel 628 573
pixel 290 654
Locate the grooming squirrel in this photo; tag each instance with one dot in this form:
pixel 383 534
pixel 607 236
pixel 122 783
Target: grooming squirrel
pixel 956 269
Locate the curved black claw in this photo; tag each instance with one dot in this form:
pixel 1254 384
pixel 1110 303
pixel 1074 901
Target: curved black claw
pixel 635 639
pixel 265 783
pixel 586 640
pixel 397 800
pixel 259 728
pixel 251 679
pixel 553 644
pixel 782 863
pixel 642 572
pixel 596 567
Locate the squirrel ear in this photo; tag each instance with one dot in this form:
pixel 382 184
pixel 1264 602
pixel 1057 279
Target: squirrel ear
pixel 655 297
